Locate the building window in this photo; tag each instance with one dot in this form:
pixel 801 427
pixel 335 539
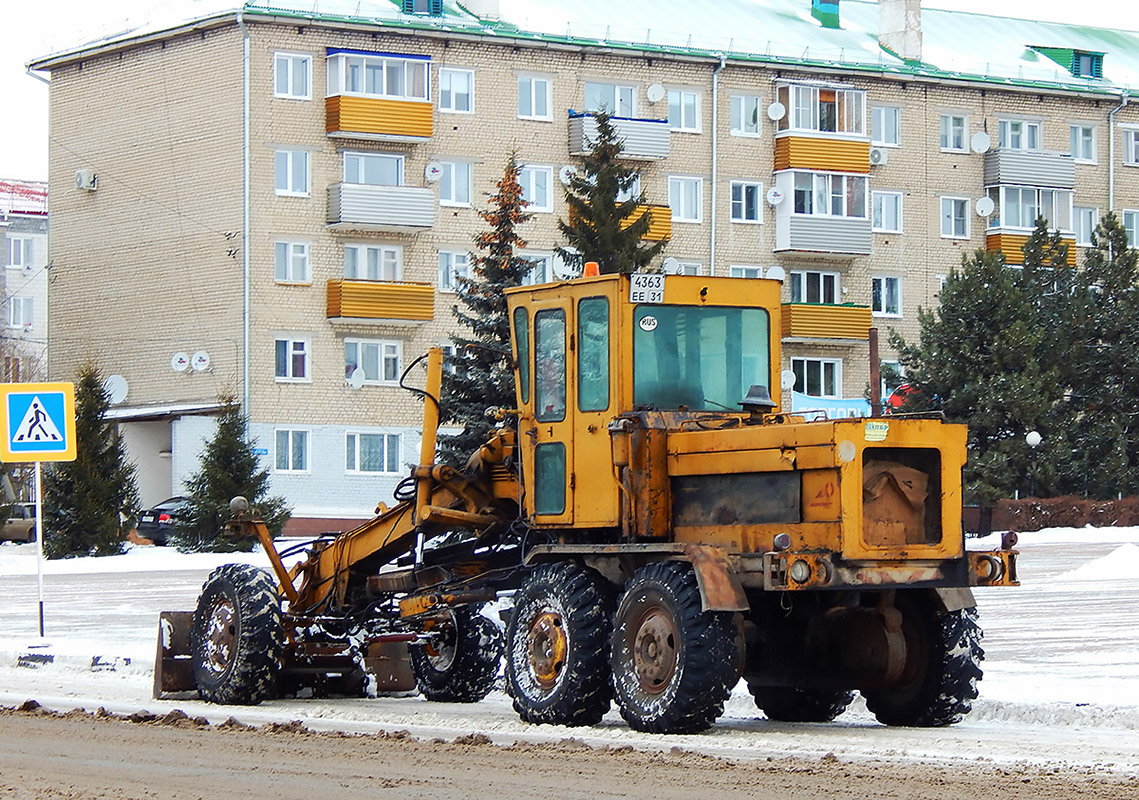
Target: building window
pixel 292 450
pixel 814 108
pixel 292 76
pixel 20 252
pixel 542 270
pixel 1087 65
pixel 1131 147
pixel 892 375
pixel 1018 134
pixel 887 214
pixel 534 97
pixel 631 192
pixel 685 198
pixel 1085 221
pixel 1083 143
pixel 292 359
pixel 11 369
pixel 684 110
pixel 453 265
pixel 394 78
pixel 886 296
pixel 954 131
pixel 740 271
pixel 817 377
pixel 373 169
pixel 885 123
pixel 373 262
pixel 427 7
pixel 809 286
pixel 1131 225
pixel 684 268
pixel 376 453
pixel 1021 206
pixel 746 205
pixel 379 360
pixel 20 312
pixel 456 90
pixel 537 183
pixel 292 262
pixel 829 194
pixel 292 173
pixel 955 218
pixel 616 99
pixel 455 183
pixel 745 115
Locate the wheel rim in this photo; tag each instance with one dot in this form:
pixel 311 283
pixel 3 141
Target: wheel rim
pixel 546 647
pixel 655 651
pixel 221 635
pixel 442 648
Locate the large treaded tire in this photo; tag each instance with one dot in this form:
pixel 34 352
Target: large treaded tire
pixel 674 664
pixel 786 704
pixel 460 665
pixel 557 646
pixel 943 667
pixel 237 639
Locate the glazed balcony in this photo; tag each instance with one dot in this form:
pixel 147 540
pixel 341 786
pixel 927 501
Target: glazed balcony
pixel 376 301
pixel 387 209
pixel 823 321
pixel 643 139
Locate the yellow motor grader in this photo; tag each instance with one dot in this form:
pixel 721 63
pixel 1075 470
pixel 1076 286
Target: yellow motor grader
pixel 662 525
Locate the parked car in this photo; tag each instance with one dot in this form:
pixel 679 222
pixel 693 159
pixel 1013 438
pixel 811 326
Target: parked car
pixel 21 524
pixel 154 523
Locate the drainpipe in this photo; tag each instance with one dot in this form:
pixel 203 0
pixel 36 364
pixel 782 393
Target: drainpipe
pixel 715 157
pixel 1111 149
pixel 244 217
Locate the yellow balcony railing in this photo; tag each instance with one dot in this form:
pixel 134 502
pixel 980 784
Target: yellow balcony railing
pixel 1012 245
pixel 660 222
pixel 821 321
pixel 357 299
pixel 377 118
pixel 817 152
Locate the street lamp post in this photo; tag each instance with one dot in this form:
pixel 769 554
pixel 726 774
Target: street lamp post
pixel 1033 440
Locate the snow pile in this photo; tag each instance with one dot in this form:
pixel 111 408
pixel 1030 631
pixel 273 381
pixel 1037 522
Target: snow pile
pixel 1120 564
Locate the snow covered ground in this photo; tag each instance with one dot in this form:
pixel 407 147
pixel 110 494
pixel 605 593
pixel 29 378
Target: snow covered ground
pixel 1061 679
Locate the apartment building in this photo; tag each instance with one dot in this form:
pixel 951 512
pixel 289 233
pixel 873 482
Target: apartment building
pixel 275 201
pixel 24 254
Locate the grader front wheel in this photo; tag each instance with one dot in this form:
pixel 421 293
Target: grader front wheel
pixel 459 663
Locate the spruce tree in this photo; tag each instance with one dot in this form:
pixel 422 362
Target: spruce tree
pixel 601 227
pixel 228 468
pixel 88 500
pixel 480 375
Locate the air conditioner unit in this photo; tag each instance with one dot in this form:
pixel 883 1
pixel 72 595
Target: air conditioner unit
pixel 878 155
pixel 85 179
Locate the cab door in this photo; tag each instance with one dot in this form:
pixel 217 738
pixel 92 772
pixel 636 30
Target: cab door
pixel 595 498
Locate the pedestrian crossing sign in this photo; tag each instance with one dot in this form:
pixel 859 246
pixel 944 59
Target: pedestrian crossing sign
pixel 38 421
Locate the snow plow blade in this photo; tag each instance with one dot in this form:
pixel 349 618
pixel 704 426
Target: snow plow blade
pixel 173 664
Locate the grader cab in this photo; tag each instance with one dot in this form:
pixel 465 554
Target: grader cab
pixel 662 527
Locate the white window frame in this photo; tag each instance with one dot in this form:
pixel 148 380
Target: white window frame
pixel 745 271
pixel 447 75
pixel 687 104
pixel 685 268
pixel 880 116
pixel 879 294
pixel 389 360
pixel 1059 198
pixel 295 344
pixel 1082 143
pixel 285 66
pixel 948 127
pixel 532 87
pixel 948 202
pixel 825 187
pixel 349 73
pixel 291 263
pixel 828 284
pixel 290 433
pixel 897 367
pixel 21 252
pixel 21 311
pixel 741 204
pixel 686 194
pixel 822 363
pixel 741 106
pixel 623 102
pixel 1130 218
pixel 548 272
pixel 456 183
pixel 1084 231
pixel 804 109
pixel 1022 132
pixel 878 198
pixel 388 261
pixel 453 264
pixel 391 441
pixel 297 173
pixel 527 178
pixel 1131 147
pixel 355 166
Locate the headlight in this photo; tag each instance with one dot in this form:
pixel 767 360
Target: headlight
pixel 800 571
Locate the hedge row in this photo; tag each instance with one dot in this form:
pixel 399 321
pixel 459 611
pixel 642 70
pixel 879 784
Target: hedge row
pixel 1034 513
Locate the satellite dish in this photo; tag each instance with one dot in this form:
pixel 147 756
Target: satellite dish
pixel 433 171
pixel 774 196
pixel 567 174
pixel 356 379
pixel 776 111
pixel 984 206
pixel 787 379
pixel 200 361
pixel 116 388
pixel 776 274
pixel 655 93
pixel 179 362
pixel 671 266
pixel 980 142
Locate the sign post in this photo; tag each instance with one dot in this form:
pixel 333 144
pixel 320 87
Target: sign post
pixel 38 424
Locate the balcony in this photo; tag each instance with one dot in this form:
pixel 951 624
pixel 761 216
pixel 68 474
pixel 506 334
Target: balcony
pixel 1012 245
pixel 822 153
pixel 642 139
pixel 1029 168
pixel 660 222
pixel 386 209
pixel 807 233
pixel 378 119
pixel 820 321
pixel 380 301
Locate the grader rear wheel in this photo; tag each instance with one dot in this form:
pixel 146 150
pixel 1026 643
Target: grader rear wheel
pixel 460 662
